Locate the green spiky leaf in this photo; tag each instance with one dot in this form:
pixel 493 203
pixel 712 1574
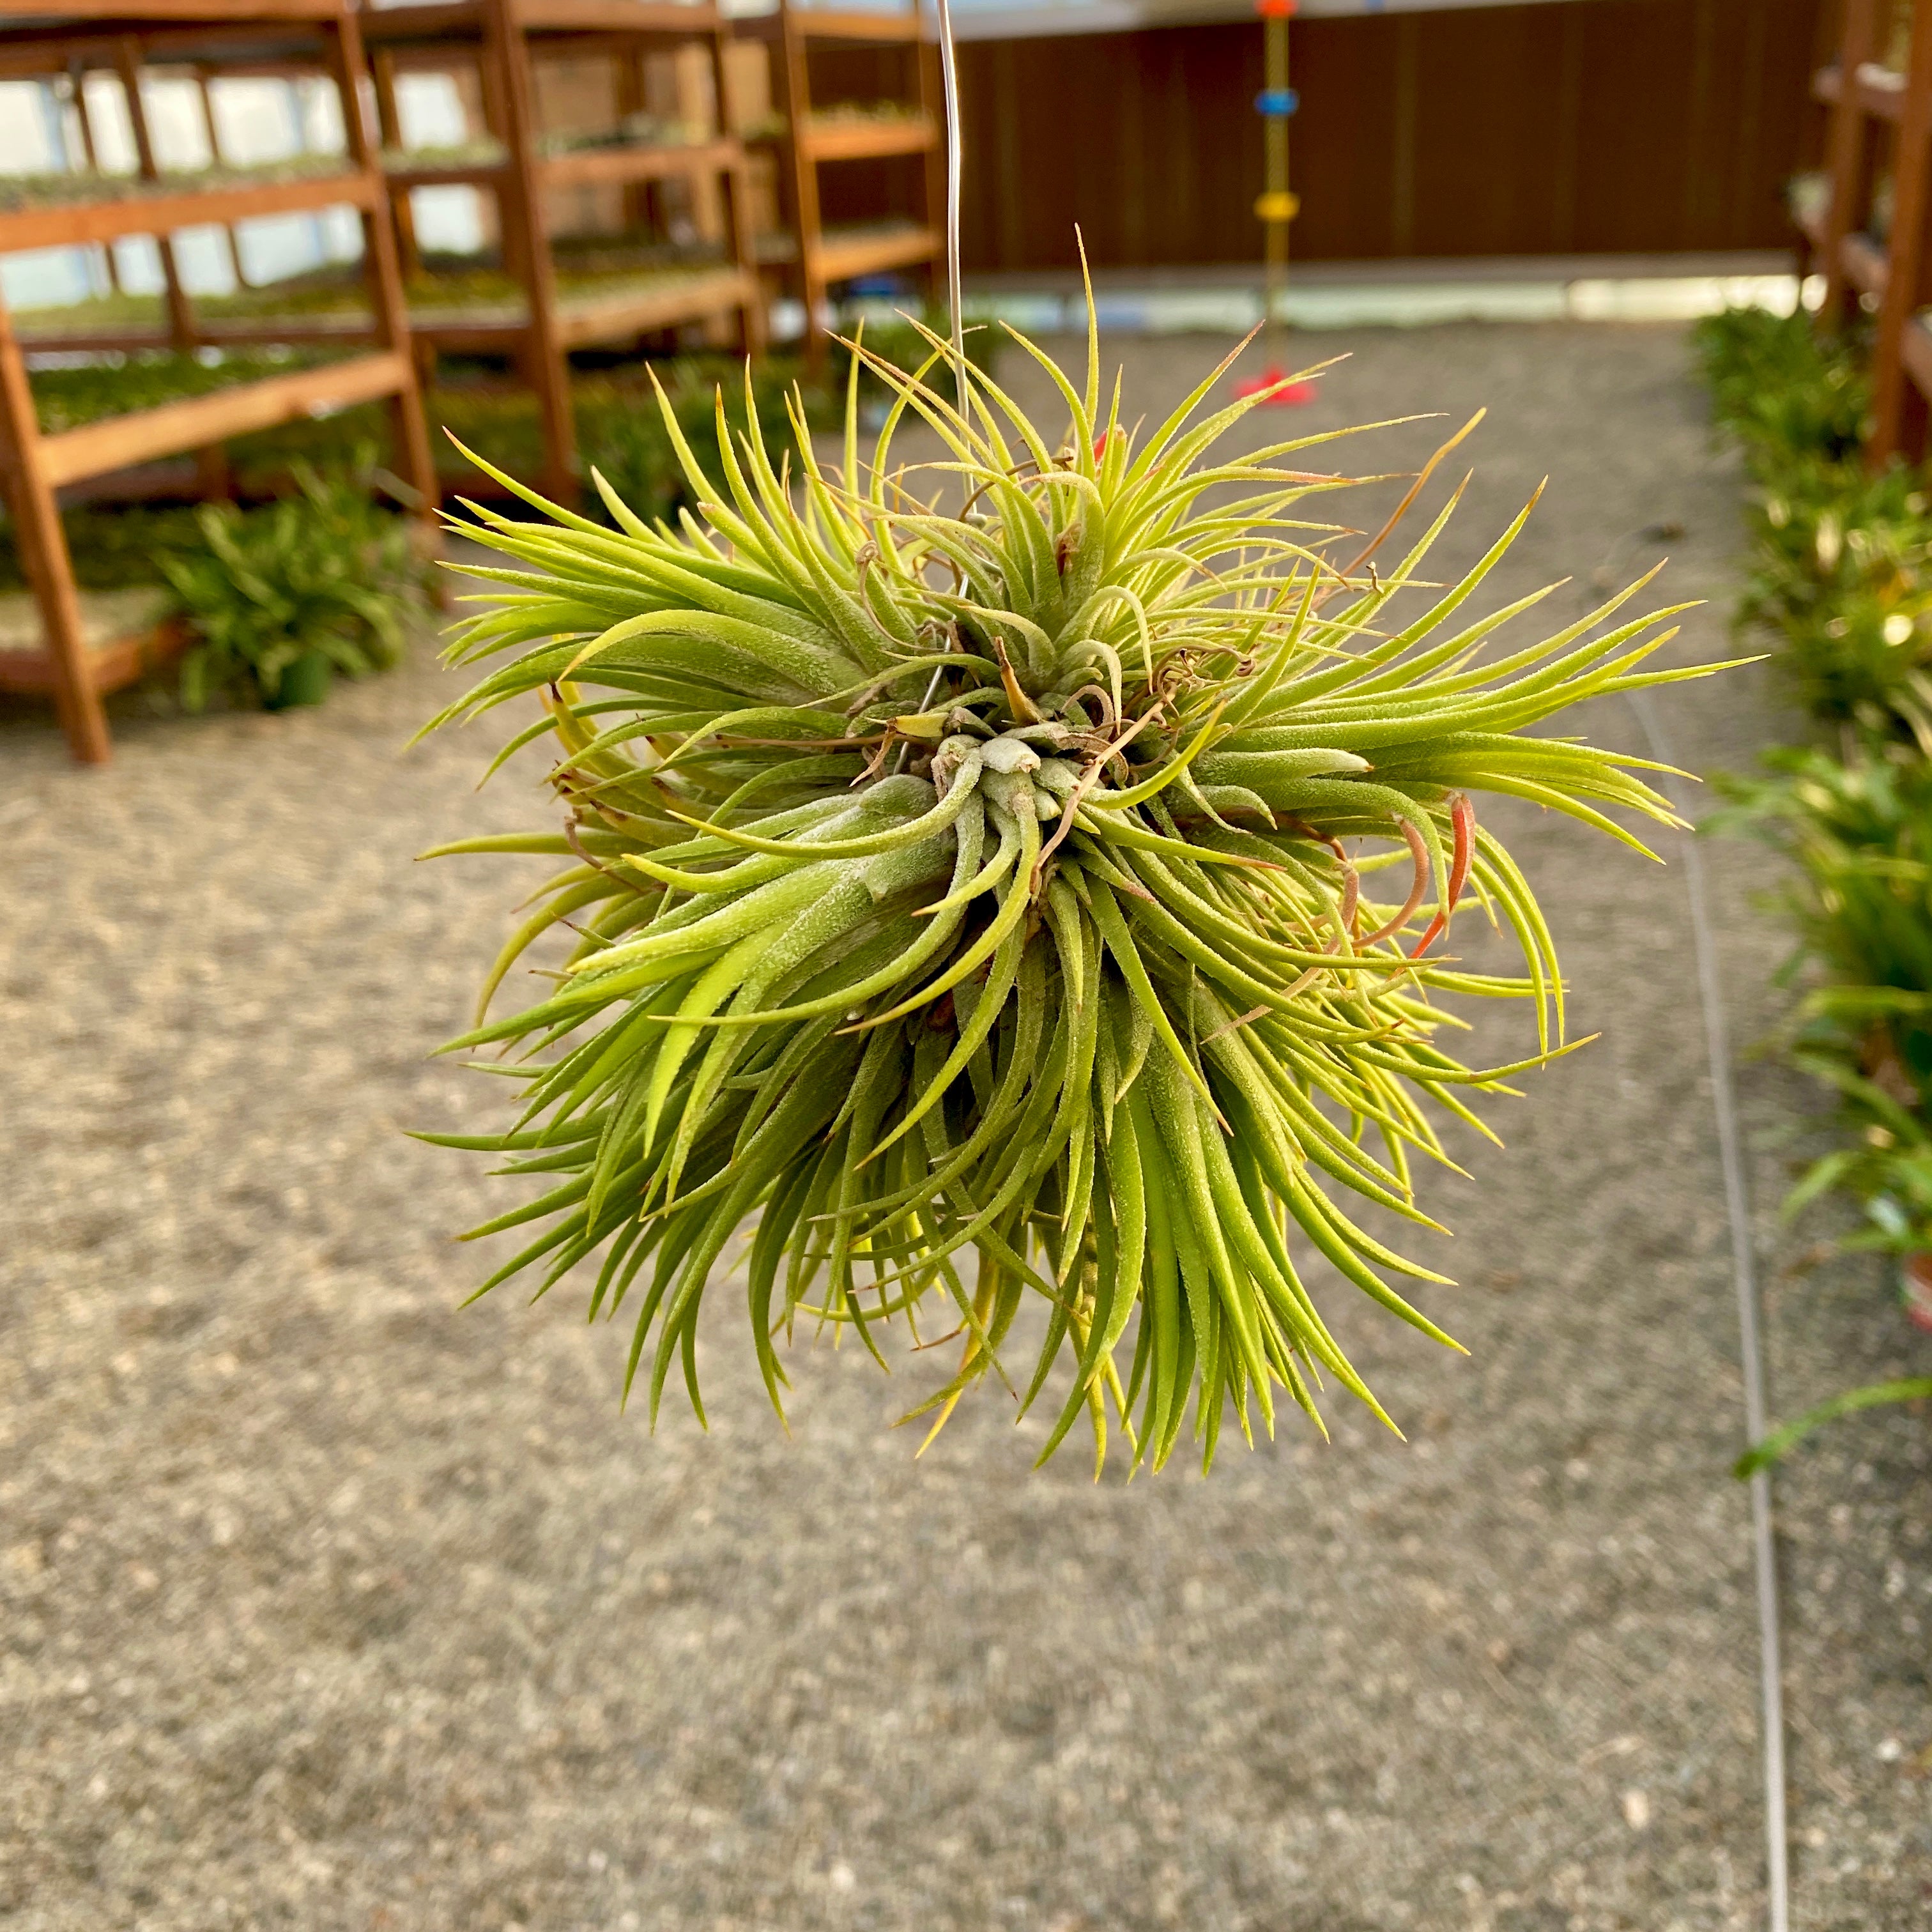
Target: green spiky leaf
pixel 1042 898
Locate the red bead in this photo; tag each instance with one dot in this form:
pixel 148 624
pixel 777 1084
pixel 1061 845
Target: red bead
pixel 1275 9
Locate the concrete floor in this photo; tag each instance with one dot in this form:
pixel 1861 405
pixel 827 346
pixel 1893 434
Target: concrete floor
pixel 324 1605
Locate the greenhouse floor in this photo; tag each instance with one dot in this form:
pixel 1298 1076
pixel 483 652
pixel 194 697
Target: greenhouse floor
pixel 324 1604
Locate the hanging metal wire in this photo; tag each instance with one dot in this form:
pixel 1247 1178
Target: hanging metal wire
pixel 949 71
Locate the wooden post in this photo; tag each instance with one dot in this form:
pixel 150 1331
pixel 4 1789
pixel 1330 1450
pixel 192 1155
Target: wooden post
pixel 181 312
pixel 43 555
pixel 1849 156
pixel 800 173
pixel 384 275
pixel 544 361
pixel 689 66
pixel 737 211
pixel 1898 406
pixel 77 80
pixel 632 98
pixel 382 66
pixel 510 235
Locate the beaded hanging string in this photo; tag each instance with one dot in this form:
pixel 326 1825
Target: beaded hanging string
pixel 1277 204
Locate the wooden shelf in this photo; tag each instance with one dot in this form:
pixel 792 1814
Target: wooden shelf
pixel 866 141
pixel 584 321
pixel 322 331
pixel 809 258
pixel 162 214
pixel 443 20
pixel 839 258
pixel 1894 281
pixel 817 23
pixel 75 663
pixel 615 166
pixel 47 18
pixel 121 442
pixel 539 324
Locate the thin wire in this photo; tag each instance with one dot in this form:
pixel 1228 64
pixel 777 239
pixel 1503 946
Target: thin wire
pixel 1730 1156
pixel 956 158
pixel 949 69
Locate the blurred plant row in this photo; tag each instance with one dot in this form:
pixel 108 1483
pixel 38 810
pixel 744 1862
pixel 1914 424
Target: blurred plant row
pixel 317 577
pixel 1840 581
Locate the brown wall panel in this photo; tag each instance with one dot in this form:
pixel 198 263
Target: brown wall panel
pixel 1593 127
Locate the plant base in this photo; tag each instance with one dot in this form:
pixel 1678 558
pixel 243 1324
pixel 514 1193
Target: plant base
pixel 306 681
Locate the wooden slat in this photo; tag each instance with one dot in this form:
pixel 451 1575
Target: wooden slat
pixel 1881 92
pixel 864 141
pixel 1915 352
pixel 111 666
pixel 816 23
pixel 245 43
pixel 447 174
pixel 191 11
pixel 611 166
pixel 840 260
pixel 616 318
pixel 344 331
pixel 163 214
pixel 442 20
pixel 1898 416
pixel 124 441
pixel 620 16
pixel 464 20
pixel 1864 264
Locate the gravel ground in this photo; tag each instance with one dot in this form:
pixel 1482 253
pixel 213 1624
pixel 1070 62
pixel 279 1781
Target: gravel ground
pixel 324 1605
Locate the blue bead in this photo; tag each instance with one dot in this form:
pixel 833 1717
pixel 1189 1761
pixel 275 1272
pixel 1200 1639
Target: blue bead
pixel 1277 103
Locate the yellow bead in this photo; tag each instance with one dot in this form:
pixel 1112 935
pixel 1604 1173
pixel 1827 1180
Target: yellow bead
pixel 1278 205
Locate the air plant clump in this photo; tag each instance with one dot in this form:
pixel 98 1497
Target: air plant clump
pixel 1040 897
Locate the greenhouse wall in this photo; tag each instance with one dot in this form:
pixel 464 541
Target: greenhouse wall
pixel 1565 127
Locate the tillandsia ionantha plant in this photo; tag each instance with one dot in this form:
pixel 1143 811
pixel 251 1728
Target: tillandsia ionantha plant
pixel 1037 896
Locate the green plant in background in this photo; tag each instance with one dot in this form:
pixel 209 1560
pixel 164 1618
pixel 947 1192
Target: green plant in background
pixel 1841 575
pixel 1858 838
pixel 895 346
pixel 1841 567
pixel 325 576
pixel 1841 571
pixel 1052 882
pixel 1779 389
pixel 67 396
pixel 1874 1395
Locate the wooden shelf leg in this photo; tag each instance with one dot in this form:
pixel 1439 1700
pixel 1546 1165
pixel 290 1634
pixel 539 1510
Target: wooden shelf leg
pixel 77 78
pixel 545 361
pixel 737 226
pixel 43 555
pixel 1849 157
pixel 409 423
pixel 1898 410
pixel 800 177
pixel 180 311
pixel 383 66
